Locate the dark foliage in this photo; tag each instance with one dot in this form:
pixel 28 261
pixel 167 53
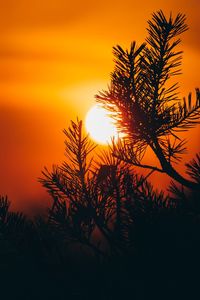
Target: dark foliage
pixel 108 230
pixel 145 105
pixel 122 225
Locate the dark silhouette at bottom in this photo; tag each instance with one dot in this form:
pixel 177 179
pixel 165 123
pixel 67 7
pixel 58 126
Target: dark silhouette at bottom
pixel 108 234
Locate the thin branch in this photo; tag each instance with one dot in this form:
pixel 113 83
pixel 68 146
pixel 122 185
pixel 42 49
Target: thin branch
pixel 129 161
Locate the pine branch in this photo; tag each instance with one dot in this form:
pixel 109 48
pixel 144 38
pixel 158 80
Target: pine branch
pixel 186 115
pixel 144 166
pixel 193 168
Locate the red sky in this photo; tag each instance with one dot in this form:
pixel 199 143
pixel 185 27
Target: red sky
pixel 54 57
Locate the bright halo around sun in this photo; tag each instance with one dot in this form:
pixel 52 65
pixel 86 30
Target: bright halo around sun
pixel 100 125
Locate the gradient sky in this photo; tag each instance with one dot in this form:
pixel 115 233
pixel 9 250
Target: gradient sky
pixel 54 57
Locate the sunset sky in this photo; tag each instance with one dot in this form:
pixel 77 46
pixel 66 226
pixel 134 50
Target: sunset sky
pixel 54 57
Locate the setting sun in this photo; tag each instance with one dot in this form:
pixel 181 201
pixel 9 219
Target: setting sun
pixel 100 125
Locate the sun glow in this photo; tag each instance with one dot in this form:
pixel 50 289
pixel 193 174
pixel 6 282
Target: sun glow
pixel 100 125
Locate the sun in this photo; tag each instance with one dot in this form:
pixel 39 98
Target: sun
pixel 100 125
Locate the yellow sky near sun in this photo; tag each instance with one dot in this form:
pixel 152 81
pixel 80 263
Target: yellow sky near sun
pixel 54 57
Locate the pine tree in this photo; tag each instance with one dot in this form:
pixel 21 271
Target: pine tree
pixel 86 195
pixel 96 203
pixel 145 105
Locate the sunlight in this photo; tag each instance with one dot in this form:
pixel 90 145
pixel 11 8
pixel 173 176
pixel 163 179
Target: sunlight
pixel 99 125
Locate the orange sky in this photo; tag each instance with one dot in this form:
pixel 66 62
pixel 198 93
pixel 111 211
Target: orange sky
pixel 54 57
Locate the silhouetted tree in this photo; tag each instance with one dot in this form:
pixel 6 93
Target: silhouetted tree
pixel 16 233
pixel 81 205
pixel 13 225
pixel 145 105
pixel 93 201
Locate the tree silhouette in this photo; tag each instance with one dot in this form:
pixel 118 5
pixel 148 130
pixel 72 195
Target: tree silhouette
pixel 93 201
pixel 80 201
pixel 145 105
pixel 107 212
pixel 13 225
